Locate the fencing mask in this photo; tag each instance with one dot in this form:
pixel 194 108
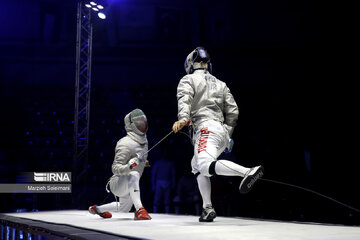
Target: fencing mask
pixel 138 120
pixel 199 58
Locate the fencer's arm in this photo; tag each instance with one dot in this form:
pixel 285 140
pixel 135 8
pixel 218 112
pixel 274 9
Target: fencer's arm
pixel 229 129
pixel 121 165
pixel 231 111
pixel 185 95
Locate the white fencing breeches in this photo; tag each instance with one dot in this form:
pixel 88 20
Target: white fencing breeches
pixel 120 186
pixel 210 141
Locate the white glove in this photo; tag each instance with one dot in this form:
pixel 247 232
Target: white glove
pixel 133 162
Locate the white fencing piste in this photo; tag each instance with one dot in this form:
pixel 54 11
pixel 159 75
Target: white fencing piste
pixel 176 227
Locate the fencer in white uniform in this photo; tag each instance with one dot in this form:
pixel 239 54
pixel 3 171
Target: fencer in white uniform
pixel 128 166
pixel 207 103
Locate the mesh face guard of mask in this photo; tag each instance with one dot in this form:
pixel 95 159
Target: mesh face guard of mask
pixel 138 118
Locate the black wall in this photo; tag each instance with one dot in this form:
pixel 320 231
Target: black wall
pixel 288 64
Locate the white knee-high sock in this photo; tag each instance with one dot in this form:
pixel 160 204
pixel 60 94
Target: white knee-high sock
pixel 134 190
pixel 111 207
pixel 228 168
pixel 205 189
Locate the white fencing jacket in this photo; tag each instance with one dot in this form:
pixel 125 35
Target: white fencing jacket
pixel 201 97
pixel 128 147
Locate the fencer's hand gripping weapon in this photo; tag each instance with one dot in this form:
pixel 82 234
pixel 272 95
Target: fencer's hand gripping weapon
pixel 141 155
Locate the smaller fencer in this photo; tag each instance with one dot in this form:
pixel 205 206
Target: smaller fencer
pixel 128 166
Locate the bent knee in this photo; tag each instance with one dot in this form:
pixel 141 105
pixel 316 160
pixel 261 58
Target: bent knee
pixel 134 177
pixel 204 169
pixel 134 174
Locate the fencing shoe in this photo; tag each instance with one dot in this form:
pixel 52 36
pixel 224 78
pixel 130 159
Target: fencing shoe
pixel 94 210
pixel 208 214
pixel 250 178
pixel 142 214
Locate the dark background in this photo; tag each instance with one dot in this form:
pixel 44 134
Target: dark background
pixel 291 66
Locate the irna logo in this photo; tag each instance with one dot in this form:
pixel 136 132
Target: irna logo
pixel 52 177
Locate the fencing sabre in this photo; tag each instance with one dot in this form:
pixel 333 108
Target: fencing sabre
pixel 141 156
